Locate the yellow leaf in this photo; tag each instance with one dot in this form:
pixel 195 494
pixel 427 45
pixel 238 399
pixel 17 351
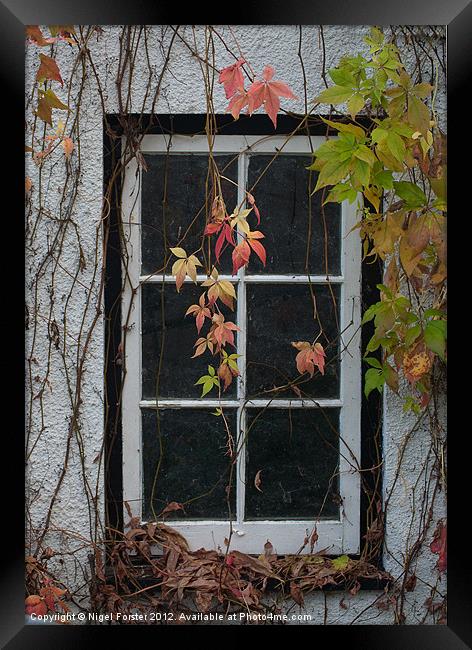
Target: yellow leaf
pixel 177 266
pixel 227 288
pixel 191 270
pixel 194 260
pixel 178 252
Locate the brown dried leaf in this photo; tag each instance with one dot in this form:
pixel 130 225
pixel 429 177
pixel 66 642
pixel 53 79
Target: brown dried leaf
pixel 296 593
pixel 257 481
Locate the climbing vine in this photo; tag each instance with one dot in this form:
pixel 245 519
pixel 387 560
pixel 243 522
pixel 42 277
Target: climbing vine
pixel 388 157
pixel 398 164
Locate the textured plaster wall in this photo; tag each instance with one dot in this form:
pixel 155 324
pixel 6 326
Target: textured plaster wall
pixel 182 92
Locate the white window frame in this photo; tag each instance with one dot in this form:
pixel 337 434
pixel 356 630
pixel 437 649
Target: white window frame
pixel 338 536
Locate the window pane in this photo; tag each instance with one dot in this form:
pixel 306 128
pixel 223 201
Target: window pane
pixel 178 371
pixel 296 452
pixel 282 196
pixel 278 315
pixel 194 469
pixel 182 180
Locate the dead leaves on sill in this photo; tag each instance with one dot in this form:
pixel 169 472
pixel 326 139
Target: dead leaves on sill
pixel 210 579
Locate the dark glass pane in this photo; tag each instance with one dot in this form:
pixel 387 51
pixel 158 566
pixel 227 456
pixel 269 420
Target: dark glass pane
pixel 182 180
pixel 194 462
pixel 278 315
pixel 297 454
pixel 282 196
pixel 178 371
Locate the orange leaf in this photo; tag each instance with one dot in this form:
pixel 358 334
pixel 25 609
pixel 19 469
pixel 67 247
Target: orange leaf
pixel 309 356
pixel 225 374
pixel 241 255
pixel 35 605
pixel 258 248
pixel 36 36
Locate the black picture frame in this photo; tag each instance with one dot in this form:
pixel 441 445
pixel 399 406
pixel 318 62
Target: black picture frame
pixel 14 15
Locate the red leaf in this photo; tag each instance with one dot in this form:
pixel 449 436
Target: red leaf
pixel 232 78
pixel 229 234
pixel 48 70
pixel 211 228
pixel 267 92
pixel 219 244
pixel 226 234
pixel 439 545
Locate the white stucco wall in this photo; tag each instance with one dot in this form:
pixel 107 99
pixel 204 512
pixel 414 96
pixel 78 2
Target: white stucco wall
pixel 182 92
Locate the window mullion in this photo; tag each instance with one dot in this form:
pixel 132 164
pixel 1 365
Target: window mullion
pixel 241 350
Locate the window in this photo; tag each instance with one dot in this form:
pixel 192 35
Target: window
pixel 299 452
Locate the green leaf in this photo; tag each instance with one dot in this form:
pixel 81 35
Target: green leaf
pixel 418 114
pixel 211 371
pixel 355 104
pixel 365 154
pixel 340 563
pixel 331 173
pixel 374 379
pixel 341 192
pixel 360 172
pixel 373 344
pixel 396 146
pixel 430 313
pixel 334 95
pixel 435 337
pixel 357 131
pixel 411 193
pixel 342 77
pixel 384 179
pixel 372 361
pixel 386 290
pixel 379 134
pixel 371 312
pixel 412 334
pixel 207 386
